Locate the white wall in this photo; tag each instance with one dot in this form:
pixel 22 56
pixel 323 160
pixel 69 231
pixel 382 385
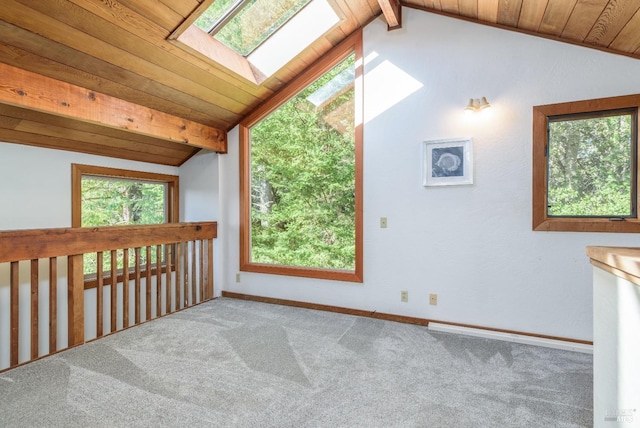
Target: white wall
pixel 199 188
pixel 472 245
pixel 36 184
pixel 199 181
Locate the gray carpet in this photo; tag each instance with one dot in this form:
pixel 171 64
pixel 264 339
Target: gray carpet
pixel 233 363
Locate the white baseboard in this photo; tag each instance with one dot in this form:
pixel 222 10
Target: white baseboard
pixel 512 337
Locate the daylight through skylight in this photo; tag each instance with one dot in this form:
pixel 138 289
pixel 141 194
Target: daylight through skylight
pixel 243 25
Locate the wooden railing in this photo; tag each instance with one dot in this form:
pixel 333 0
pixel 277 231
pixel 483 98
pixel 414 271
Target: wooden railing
pixel 44 319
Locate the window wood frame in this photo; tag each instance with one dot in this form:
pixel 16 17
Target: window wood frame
pixel 353 44
pixel 78 170
pixel 541 221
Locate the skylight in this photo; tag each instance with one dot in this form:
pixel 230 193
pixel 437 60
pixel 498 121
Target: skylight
pixel 243 25
pixel 265 34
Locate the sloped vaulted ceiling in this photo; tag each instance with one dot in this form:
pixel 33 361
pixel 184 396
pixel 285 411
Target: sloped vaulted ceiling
pixel 105 77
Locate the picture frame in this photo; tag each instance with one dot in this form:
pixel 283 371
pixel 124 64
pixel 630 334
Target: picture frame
pixel 447 162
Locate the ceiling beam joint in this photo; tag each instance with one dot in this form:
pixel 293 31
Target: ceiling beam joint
pixel 392 11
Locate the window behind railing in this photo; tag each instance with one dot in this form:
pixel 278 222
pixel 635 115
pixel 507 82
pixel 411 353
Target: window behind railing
pixel 117 197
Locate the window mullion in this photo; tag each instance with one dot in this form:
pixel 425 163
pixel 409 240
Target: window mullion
pixel 228 16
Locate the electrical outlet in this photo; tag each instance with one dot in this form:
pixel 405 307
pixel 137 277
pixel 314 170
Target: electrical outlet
pixel 237 277
pixel 404 296
pixel 383 222
pixel 433 299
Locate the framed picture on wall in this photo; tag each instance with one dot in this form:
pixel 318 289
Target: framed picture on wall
pixel 448 162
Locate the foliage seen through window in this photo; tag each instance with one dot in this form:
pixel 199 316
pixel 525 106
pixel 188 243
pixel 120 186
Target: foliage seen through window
pixel 303 177
pixel 252 24
pixel 114 202
pixel 591 168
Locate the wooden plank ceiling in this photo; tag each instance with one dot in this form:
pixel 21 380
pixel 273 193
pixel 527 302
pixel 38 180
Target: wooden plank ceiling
pixel 610 25
pixel 119 53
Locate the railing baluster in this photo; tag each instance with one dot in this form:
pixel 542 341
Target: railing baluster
pixel 194 278
pixel 125 288
pixel 178 290
pixel 35 282
pixel 158 281
pixel 185 256
pixel 205 270
pixel 75 299
pixel 148 283
pixel 53 304
pixel 100 294
pixel 167 278
pixel 114 290
pixel 210 267
pixel 15 314
pixel 201 267
pixel 137 286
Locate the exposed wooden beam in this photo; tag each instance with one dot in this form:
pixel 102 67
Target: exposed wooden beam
pixel 392 11
pixel 33 91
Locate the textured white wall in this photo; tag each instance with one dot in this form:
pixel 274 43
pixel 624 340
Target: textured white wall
pixel 199 188
pixel 199 181
pixel 472 245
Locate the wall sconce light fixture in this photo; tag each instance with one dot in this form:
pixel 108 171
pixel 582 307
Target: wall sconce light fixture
pixel 477 104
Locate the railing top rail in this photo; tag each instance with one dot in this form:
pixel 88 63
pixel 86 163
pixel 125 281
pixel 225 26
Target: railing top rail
pixel 16 245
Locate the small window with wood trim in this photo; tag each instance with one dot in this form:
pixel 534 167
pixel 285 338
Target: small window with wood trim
pixel 116 197
pixel 585 166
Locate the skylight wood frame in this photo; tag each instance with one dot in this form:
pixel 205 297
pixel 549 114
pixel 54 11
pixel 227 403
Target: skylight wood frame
pixel 237 8
pixel 200 43
pixel 351 45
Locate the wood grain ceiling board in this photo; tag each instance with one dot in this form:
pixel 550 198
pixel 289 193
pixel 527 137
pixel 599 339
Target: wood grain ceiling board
pixel 584 16
pixel 450 6
pixel 609 25
pixel 74 26
pixel 509 12
pixel 120 48
pixel 629 37
pixel 531 14
pixel 49 142
pixel 488 10
pixel 23 115
pixel 556 16
pixel 468 8
pixel 615 16
pixel 183 7
pixel 156 11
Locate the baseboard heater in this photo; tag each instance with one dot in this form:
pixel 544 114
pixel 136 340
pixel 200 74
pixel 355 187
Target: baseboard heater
pixel 512 337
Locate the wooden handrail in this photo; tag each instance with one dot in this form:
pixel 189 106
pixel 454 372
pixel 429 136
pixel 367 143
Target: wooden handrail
pixel 44 243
